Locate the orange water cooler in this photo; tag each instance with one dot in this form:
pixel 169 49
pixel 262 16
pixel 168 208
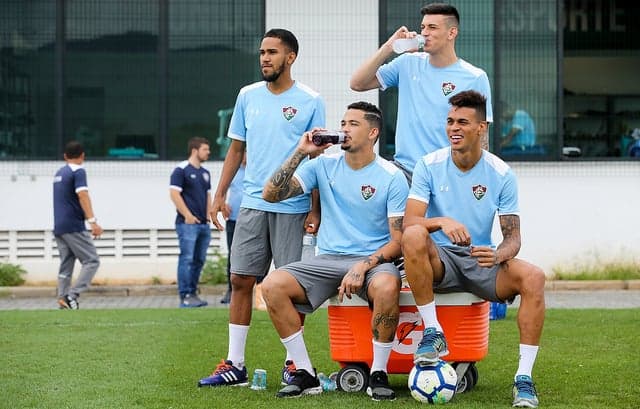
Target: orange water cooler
pixel 464 319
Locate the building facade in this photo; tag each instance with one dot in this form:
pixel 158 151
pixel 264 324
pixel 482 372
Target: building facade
pixel 134 79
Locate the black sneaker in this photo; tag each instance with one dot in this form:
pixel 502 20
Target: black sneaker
pixel 379 388
pixel 301 383
pixel 192 301
pixel 68 303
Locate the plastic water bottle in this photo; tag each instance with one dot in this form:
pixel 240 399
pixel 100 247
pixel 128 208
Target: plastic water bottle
pixel 308 246
pixel 259 382
pixel 402 45
pixel 326 382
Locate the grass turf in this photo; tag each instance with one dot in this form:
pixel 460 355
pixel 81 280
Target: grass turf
pixel 153 359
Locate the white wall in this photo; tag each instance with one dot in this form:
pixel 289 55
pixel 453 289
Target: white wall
pixel 571 212
pixel 335 37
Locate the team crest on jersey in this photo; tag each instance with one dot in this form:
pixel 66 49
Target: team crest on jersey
pixel 367 191
pixel 448 87
pixel 289 112
pixel 479 191
pixel 205 176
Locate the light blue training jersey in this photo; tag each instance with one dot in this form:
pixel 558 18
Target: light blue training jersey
pixel 526 136
pixel 271 126
pixel 472 198
pixel 423 101
pixel 356 204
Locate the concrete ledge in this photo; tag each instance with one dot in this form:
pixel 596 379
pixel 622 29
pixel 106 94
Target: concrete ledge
pixel 564 285
pixel 107 291
pixel 220 289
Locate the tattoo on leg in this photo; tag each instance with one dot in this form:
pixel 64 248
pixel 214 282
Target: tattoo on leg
pixel 387 321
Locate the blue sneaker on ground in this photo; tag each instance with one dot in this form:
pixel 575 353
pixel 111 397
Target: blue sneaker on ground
pixel 226 374
pixel 524 392
pixel 287 372
pixel 431 348
pixel 192 301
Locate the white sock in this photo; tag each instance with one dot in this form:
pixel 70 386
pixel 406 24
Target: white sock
pixel 381 352
pixel 528 355
pixel 428 314
pixel 297 350
pixel 237 343
pixel 288 357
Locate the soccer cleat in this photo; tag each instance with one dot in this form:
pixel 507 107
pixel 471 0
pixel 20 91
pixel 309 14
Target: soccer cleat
pixel 287 372
pixel 301 383
pixel 192 301
pixel 524 392
pixel 379 388
pixel 68 303
pixel 431 348
pixel 226 374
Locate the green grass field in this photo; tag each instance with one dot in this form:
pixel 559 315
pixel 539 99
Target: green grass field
pixel 153 359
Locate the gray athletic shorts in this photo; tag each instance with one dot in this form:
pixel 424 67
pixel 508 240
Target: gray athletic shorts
pixel 261 236
pixel 463 274
pixel 408 173
pixel 321 276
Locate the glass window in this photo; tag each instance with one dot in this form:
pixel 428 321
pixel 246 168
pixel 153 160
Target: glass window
pixel 601 79
pixel 27 114
pixel 111 77
pixel 525 86
pixel 213 52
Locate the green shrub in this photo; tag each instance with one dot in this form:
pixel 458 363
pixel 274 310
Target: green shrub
pixel 599 271
pixel 11 275
pixel 215 269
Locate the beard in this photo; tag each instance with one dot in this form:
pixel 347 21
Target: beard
pixel 274 75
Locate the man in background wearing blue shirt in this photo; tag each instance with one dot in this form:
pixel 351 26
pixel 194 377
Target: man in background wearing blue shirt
pixel 71 209
pixel 190 192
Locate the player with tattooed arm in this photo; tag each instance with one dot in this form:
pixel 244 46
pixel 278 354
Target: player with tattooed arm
pixel 455 194
pixel 362 202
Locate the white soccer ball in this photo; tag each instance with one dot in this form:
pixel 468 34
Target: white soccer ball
pixel 433 383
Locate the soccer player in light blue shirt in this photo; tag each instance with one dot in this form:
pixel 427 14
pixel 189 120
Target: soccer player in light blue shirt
pixel 446 243
pixel 362 203
pixel 268 118
pixel 425 80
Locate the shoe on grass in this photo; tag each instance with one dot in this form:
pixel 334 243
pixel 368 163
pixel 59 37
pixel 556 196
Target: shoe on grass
pixel 226 374
pixel 287 372
pixel 301 383
pixel 379 388
pixel 524 392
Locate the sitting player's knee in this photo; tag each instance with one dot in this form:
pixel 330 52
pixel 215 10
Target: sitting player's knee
pixel 414 239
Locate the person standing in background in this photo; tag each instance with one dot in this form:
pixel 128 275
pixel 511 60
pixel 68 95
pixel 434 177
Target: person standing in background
pixel 234 198
pixel 424 79
pixel 71 210
pixel 190 192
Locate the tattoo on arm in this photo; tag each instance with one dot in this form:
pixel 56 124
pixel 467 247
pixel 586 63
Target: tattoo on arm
pixel 381 259
pixel 396 223
pixel 510 226
pixel 284 186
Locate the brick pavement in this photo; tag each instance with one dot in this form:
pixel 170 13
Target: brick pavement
pixel 623 295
